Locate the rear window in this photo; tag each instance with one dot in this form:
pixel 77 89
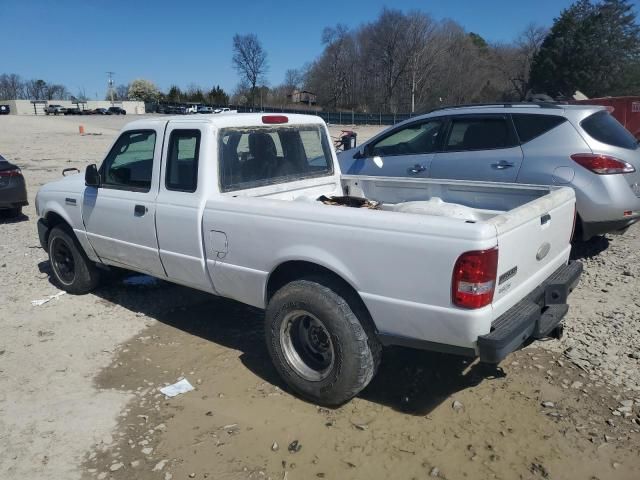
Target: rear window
pixel 257 156
pixel 604 128
pixel 530 126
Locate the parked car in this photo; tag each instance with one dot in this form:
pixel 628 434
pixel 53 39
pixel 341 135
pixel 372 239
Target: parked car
pixel 5 110
pixel 579 146
pixel 73 111
pixel 265 218
pixel 117 111
pixel 205 109
pixel 13 191
pixel 222 110
pixel 54 109
pixel 102 111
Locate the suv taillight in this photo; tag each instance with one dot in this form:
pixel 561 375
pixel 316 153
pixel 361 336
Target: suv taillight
pixel 14 172
pixel 602 164
pixel 474 278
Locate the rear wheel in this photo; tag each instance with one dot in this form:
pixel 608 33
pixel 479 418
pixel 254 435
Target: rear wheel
pixel 72 270
pixel 319 342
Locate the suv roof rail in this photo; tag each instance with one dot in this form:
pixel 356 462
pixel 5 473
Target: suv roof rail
pixel 503 105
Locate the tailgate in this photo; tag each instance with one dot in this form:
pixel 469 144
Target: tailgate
pixel 533 241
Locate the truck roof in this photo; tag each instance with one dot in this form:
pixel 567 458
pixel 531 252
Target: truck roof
pixel 228 119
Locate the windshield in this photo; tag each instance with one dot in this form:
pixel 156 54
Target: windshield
pixel 604 128
pixel 256 156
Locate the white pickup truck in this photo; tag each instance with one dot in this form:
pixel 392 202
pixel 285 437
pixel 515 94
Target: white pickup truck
pixel 253 207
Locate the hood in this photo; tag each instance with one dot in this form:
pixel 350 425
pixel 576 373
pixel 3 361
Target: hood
pixel 71 183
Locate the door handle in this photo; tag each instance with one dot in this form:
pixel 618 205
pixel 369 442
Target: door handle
pixel 502 164
pixel 139 210
pixel 417 168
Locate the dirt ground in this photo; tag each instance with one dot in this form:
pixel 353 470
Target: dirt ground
pixel 79 375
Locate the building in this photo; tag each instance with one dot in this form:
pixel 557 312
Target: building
pixel 303 96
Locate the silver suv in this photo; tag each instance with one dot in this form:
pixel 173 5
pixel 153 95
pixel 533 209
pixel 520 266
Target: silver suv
pixel 538 143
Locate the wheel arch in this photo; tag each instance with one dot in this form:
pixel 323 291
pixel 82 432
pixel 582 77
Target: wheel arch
pixel 293 270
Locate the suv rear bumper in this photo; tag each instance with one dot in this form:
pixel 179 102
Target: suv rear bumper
pixel 536 316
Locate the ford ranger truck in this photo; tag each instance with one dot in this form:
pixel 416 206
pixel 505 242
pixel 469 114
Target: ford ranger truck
pixel 253 207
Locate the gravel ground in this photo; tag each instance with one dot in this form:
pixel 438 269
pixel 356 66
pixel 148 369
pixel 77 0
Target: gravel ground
pixel 79 375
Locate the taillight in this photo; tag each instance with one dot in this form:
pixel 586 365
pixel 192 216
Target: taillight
pixel 474 278
pixel 602 164
pixel 14 172
pixel 274 119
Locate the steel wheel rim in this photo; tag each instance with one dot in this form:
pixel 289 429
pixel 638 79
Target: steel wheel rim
pixel 307 345
pixel 62 260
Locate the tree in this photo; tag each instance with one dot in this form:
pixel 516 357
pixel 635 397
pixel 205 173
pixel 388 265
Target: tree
pixel 143 90
pixel 36 89
pixel 174 95
pixel 122 92
pixel 249 60
pixel 11 87
pixel 217 96
pixel 589 48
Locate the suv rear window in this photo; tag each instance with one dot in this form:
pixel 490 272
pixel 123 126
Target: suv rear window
pixel 256 156
pixel 530 126
pixel 604 128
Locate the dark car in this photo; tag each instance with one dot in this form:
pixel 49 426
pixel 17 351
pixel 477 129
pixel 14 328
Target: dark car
pixel 117 111
pixel 101 111
pixel 73 111
pixel 5 110
pixel 13 191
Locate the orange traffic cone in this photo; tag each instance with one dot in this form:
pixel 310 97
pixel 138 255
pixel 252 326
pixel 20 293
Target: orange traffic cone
pixel 81 130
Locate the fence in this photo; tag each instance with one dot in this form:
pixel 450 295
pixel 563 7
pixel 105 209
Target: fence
pixel 344 118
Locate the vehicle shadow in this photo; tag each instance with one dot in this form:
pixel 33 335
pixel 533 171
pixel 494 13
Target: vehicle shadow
pixel 589 249
pixel 410 381
pixel 5 218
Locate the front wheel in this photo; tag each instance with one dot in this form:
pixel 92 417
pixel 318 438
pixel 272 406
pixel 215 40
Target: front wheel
pixel 319 342
pixel 72 270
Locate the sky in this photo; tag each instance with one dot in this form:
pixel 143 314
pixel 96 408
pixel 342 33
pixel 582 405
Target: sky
pixel 190 42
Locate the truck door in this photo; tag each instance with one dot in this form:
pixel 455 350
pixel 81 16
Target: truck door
pixel 119 216
pixel 180 204
pixel 479 147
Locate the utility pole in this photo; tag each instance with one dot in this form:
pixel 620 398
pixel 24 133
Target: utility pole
pixel 110 85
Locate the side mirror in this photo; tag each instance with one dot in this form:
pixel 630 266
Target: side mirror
pixel 362 152
pixel 91 176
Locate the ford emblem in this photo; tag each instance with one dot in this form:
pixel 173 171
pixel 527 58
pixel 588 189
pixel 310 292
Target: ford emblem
pixel 543 251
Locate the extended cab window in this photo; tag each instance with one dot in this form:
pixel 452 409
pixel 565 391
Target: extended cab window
pixel 256 156
pixel 182 160
pixel 129 164
pixel 415 139
pixel 480 133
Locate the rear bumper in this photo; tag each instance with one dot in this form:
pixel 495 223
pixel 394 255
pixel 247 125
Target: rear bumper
pixel 536 316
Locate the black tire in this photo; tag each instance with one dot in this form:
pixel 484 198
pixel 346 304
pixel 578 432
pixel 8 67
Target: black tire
pixel 345 329
pixel 71 268
pixel 14 212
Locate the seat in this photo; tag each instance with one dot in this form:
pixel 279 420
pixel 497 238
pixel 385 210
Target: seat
pixel 262 157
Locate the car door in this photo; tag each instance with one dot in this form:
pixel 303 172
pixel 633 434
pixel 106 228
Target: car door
pixel 479 147
pixel 119 216
pixel 406 151
pixel 180 203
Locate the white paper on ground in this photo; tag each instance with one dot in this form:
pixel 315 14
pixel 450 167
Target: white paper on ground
pixel 42 301
pixel 183 386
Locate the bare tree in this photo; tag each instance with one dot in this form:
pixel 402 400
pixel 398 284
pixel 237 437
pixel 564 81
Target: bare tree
pixel 249 60
pixel 11 87
pixel 122 92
